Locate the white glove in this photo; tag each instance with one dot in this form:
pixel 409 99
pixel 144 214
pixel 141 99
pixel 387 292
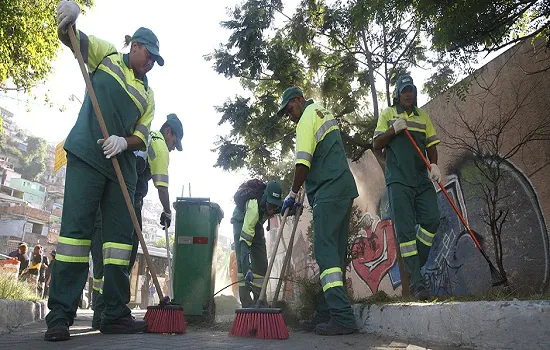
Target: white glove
pixel 67 13
pixel 435 174
pixel 399 125
pixel 113 145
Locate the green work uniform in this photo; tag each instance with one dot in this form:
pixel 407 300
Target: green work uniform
pixel 150 164
pixel 127 105
pixel 330 188
pixel 250 248
pixel 411 194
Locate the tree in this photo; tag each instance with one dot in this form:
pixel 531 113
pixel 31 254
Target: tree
pixel 464 29
pixel 28 42
pixel 161 242
pixel 492 137
pixel 335 51
pixel 33 159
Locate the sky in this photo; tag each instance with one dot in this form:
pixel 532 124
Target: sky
pixel 186 85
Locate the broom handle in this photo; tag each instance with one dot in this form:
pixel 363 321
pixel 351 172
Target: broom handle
pixel 288 255
pixel 118 172
pixel 168 256
pixel 272 260
pixel 476 242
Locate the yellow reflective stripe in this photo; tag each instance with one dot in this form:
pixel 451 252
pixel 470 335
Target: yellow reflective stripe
pixel 408 249
pixel 258 281
pixel 331 278
pixel 116 253
pixel 98 285
pixel 115 245
pixel 425 236
pixel 301 155
pixel 328 126
pixel 71 259
pixel 74 241
pixel 113 261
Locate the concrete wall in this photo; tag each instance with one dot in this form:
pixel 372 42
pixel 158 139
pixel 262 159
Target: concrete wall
pixel 503 88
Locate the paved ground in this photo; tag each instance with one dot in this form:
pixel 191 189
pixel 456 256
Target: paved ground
pixel 84 337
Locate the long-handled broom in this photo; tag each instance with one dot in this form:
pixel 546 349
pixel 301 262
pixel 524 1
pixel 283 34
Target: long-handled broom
pixel 261 322
pixel 496 277
pixel 167 317
pixel 286 262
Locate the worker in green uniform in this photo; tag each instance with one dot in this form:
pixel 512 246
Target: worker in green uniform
pixel 411 193
pixel 150 164
pixel 321 163
pixel 249 238
pixel 127 105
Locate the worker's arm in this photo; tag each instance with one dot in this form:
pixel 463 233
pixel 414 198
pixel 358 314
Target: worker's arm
pixel 383 133
pixel 432 154
pixel 164 198
pixel 384 139
pixel 300 175
pixel 134 143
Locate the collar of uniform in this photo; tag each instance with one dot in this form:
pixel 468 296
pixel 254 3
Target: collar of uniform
pixel 308 102
pixel 126 59
pixel 401 109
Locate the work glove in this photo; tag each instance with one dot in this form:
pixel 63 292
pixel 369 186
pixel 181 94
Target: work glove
pixel 165 219
pixel 289 202
pixel 249 276
pixel 113 145
pixel 67 13
pixel 399 125
pixel 435 174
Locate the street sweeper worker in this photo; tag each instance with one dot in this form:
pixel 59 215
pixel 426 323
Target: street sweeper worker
pixel 258 203
pixel 150 164
pixel 127 104
pixel 321 163
pixel 412 196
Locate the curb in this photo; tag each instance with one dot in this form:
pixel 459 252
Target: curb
pixel 481 324
pixel 17 313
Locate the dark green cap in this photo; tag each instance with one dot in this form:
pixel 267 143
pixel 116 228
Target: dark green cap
pixel 274 193
pixel 176 127
pixel 404 81
pixel 289 94
pixel 146 37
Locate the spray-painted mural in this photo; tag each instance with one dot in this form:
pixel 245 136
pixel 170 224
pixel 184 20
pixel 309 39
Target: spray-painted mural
pixel 455 266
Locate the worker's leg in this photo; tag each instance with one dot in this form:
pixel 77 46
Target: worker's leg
pixel 330 220
pixel 401 200
pixel 98 303
pixel 83 190
pixel 258 258
pixel 117 249
pixel 427 218
pixel 244 290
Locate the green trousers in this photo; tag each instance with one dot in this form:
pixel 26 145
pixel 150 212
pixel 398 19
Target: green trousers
pixel 98 303
pixel 252 257
pixel 330 240
pixel 86 190
pixel 415 217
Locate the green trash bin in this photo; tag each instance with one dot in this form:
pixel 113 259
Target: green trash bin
pixel 197 222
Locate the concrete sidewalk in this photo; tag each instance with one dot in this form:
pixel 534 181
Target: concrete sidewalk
pixel 83 337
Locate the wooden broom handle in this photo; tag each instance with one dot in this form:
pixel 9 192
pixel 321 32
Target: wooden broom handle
pixel 272 259
pixel 118 172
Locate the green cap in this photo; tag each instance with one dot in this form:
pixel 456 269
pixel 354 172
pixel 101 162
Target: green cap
pixel 274 193
pixel 404 81
pixel 146 37
pixel 176 127
pixel 289 94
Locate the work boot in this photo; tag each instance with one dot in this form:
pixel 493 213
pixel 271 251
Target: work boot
pixel 309 325
pixel 58 332
pixel 421 293
pixel 123 325
pixel 332 328
pixel 96 322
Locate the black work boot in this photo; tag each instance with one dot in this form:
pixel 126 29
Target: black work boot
pixel 96 320
pixel 332 328
pixel 420 292
pixel 309 325
pixel 58 332
pixel 123 325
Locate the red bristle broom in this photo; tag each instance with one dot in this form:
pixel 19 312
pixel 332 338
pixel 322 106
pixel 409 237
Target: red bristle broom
pixel 166 317
pixel 262 322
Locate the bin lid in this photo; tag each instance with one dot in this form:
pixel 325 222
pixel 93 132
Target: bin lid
pixel 185 201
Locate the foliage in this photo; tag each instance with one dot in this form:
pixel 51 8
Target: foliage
pixel 335 51
pixel 161 242
pixel 13 288
pixel 28 42
pixel 33 159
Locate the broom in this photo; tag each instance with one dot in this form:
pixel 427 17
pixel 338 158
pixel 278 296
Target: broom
pixel 260 322
pixel 496 277
pixel 167 317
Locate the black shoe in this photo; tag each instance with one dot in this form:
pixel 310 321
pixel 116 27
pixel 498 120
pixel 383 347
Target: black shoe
pixel 332 328
pixel 123 325
pixel 421 293
pixel 58 332
pixel 309 325
pixel 96 320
